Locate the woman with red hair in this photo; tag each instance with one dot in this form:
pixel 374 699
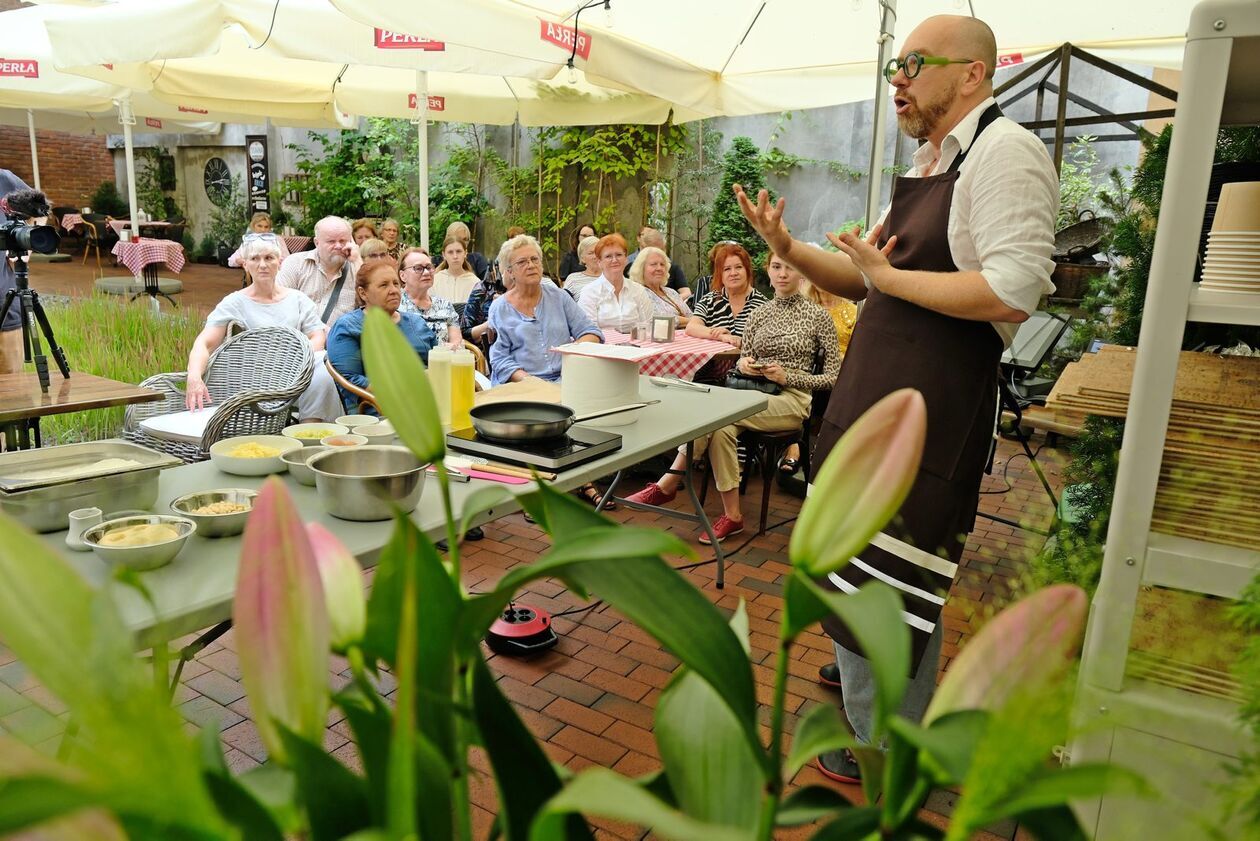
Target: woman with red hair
pixel 722 313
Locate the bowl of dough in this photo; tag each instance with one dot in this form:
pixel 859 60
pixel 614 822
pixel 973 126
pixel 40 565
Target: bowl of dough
pixel 252 455
pixel 141 541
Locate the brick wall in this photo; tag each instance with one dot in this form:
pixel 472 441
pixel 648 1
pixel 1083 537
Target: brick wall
pixel 71 166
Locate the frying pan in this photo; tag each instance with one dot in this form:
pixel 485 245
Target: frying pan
pixel 528 420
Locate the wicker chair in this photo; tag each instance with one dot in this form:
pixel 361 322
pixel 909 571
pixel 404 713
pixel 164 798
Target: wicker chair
pixel 253 379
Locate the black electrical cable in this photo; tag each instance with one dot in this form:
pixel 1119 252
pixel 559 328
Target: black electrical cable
pixel 1006 469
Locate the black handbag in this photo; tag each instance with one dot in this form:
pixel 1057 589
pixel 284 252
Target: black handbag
pixel 741 381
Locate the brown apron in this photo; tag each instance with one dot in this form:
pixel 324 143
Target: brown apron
pixel 954 363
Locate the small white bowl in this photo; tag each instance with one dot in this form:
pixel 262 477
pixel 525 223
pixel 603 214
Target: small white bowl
pixel 299 432
pixel 347 440
pixel 351 421
pixel 221 457
pixel 378 433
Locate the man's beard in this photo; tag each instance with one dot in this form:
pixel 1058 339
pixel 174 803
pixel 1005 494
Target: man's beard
pixel 335 260
pixel 920 122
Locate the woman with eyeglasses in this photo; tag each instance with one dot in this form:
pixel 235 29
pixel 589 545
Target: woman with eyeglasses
pixel 575 282
pixel 612 301
pixel 721 314
pixel 417 278
pixel 373 249
pixel 264 304
pixel 531 318
pixel 454 278
pixel 390 230
pixel 259 223
pixel 377 285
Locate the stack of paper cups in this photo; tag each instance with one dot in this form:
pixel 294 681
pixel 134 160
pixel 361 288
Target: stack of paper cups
pixel 588 384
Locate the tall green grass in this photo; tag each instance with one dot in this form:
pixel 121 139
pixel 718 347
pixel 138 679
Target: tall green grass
pixel 111 337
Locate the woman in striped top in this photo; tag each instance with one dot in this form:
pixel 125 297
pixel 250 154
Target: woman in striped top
pixel 721 314
pixel 651 271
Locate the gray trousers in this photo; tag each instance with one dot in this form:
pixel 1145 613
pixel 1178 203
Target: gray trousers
pixel 857 686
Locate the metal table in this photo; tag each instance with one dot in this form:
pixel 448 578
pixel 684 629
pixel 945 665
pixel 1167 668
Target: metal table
pixel 195 591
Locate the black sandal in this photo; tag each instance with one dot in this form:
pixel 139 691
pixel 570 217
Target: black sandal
pixel 591 494
pixel 789 466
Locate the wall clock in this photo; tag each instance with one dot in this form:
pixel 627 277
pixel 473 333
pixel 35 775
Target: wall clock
pixel 218 182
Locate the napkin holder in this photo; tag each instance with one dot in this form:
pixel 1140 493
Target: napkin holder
pixel 663 328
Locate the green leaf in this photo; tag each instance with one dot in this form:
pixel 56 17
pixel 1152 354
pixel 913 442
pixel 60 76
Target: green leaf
pixel 854 825
pixel 434 791
pixel 820 731
pixel 653 596
pixel 606 794
pixel 335 799
pixel 873 616
pixel 560 514
pixel 739 625
pixel 275 787
pixel 29 800
pixel 480 501
pixel 380 640
pixel 371 727
pixel 809 804
pixel 1052 787
pixel 239 806
pixel 949 743
pixel 713 773
pixel 1057 823
pixel 524 775
pixel 401 787
pixel 401 386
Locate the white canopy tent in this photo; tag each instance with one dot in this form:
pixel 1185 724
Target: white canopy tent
pixel 281 58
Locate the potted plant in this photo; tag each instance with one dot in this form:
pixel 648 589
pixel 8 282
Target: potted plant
pixel 206 250
pixel 131 766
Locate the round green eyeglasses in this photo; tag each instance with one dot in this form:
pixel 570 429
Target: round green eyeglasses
pixel 913 63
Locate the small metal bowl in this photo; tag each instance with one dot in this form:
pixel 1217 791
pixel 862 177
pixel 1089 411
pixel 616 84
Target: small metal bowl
pixel 216 525
pixel 299 467
pixel 364 483
pixel 140 558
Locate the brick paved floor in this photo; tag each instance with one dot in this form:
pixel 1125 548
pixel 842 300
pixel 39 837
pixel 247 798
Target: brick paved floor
pixel 591 698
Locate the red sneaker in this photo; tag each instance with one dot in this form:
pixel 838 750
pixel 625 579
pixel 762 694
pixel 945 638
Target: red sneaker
pixel 723 527
pixel 652 495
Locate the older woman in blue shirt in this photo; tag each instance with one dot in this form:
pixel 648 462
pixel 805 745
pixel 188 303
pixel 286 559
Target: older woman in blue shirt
pixel 376 285
pixel 531 318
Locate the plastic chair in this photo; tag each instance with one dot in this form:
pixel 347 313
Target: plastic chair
pixel 253 378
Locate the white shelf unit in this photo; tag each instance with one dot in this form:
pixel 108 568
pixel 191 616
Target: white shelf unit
pixel 1180 738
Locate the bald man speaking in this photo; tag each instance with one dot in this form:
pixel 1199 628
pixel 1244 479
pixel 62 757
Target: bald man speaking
pixel 960 257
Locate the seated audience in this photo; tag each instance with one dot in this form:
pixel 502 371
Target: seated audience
pixel 475 259
pixel 651 271
pixel 439 313
pixel 372 250
pixel 259 223
pixel 611 301
pixel 531 318
pixel 652 238
pixel 572 261
pixel 362 230
pixel 265 304
pixel 389 235
pixel 378 285
pixel 722 313
pixel 703 284
pixel 454 278
pixel 474 320
pixel 575 282
pixel 782 340
pixel 326 273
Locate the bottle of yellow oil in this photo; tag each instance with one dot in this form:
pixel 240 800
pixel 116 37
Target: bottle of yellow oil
pixel 463 387
pixel 440 359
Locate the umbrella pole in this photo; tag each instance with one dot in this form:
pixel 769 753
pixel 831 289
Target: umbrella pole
pixel 128 119
pixel 30 124
pixel 887 24
pixel 422 151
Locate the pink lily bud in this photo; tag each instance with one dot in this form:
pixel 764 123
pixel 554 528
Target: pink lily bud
pixel 342 578
pixel 1026 647
pixel 861 484
pixel 281 622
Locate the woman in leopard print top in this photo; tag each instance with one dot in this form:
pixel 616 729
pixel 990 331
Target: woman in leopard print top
pixel 782 341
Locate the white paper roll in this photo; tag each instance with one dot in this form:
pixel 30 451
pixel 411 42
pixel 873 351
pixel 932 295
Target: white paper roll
pixel 589 385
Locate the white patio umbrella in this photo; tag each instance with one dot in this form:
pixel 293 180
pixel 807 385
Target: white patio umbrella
pixel 736 57
pixel 279 57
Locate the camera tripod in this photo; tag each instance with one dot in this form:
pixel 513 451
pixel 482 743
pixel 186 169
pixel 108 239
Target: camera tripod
pixel 33 319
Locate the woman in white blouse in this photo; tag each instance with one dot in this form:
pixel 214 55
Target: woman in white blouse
pixel 612 301
pixel 651 270
pixel 454 277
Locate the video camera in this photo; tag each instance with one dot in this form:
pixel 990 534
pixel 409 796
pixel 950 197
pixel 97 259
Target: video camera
pixel 15 234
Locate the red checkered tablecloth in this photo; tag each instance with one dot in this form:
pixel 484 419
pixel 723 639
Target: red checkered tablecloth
pixel 296 244
pixel 137 254
pixel 69 221
pixel 681 358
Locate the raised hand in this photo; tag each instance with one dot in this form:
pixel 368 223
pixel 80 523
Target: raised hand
pixel 865 252
pixel 766 220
